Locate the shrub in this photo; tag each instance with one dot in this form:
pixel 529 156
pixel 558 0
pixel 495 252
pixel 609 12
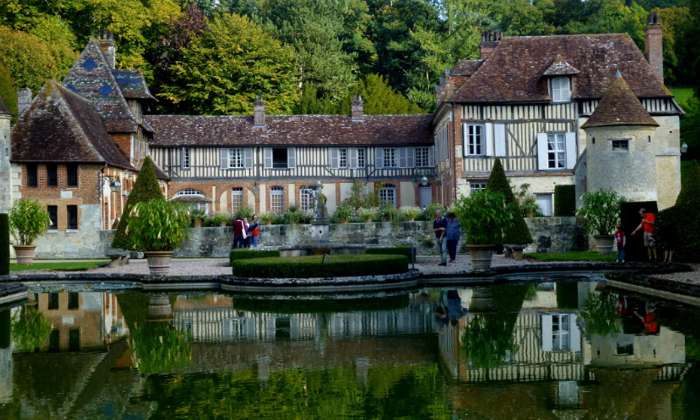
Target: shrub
pixel 321 266
pixel 600 212
pixel 220 219
pixel 157 225
pixel 565 200
pixel 410 213
pixel 4 244
pixel 342 214
pixel 685 231
pixel 516 232
pixel 430 209
pixel 246 254
pixel 368 214
pixel 146 188
pixel 389 213
pixel 28 221
pixel 527 202
pixel 483 216
pixel 244 213
pixel 294 216
pixel 267 218
pixel 395 250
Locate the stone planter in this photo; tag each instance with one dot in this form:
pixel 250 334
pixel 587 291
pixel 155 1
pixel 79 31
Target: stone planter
pixel 159 308
pixel 24 253
pixel 159 262
pixel 480 256
pixel 604 244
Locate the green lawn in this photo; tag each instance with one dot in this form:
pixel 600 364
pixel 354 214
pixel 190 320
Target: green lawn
pixel 571 256
pixel 59 265
pixel 683 95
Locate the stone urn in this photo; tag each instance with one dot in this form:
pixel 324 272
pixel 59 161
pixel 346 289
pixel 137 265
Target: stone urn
pixel 159 308
pixel 159 262
pixel 24 253
pixel 604 244
pixel 480 256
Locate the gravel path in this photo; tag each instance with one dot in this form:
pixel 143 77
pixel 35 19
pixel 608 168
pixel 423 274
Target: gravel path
pixel 692 277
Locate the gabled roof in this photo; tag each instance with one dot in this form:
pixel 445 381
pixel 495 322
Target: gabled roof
pixel 560 67
pixel 619 106
pixel 306 130
pixel 132 84
pixel 3 108
pixel 515 70
pixel 61 126
pixel 91 77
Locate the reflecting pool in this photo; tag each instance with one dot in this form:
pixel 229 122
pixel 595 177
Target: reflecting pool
pixel 561 350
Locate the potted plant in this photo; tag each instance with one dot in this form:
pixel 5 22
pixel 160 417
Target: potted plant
pixel 197 216
pixel 157 227
pixel 483 216
pixel 600 213
pixel 28 221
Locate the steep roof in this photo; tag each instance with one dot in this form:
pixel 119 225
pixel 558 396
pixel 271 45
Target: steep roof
pixel 92 78
pixel 3 108
pixel 61 126
pixel 619 106
pixel 132 84
pixel 515 70
pixel 560 67
pixel 308 130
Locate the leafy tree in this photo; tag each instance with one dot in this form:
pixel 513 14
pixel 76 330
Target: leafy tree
pixel 8 91
pixel 59 38
pixel 517 232
pixel 146 188
pixel 229 65
pixel 28 58
pixel 380 98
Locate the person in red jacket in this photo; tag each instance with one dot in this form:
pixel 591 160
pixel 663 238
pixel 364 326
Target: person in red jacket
pixel 648 226
pixel 239 233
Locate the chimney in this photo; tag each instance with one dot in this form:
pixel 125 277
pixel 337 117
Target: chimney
pixel 489 42
pixel 357 110
pixel 654 44
pixel 259 113
pixel 24 100
pixel 108 49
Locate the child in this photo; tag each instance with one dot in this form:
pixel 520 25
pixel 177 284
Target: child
pixel 620 242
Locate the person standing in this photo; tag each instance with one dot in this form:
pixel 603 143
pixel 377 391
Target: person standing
pixel 254 232
pixel 239 233
pixel 440 229
pixel 648 226
pixel 620 242
pixel 452 235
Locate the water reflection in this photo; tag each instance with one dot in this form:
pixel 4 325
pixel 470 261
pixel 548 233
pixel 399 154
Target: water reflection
pixel 560 349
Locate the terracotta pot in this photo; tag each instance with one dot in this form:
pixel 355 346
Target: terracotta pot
pixel 604 244
pixel 24 253
pixel 159 262
pixel 480 256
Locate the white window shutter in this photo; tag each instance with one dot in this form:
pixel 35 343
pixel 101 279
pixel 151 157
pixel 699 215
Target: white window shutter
pixel 353 158
pixel 465 140
pixel 183 151
pixel 291 157
pixel 403 157
pixel 411 157
pixel 431 156
pixel 248 157
pixel 267 152
pixel 575 334
pixel 333 158
pixel 546 332
pixel 499 135
pixel 542 155
pixel 223 158
pixel 379 158
pixel 571 154
pixel 488 138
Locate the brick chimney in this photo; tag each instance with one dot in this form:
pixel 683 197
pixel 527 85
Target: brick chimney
pixel 357 110
pixel 106 42
pixel 654 44
pixel 24 100
pixel 259 113
pixel 489 42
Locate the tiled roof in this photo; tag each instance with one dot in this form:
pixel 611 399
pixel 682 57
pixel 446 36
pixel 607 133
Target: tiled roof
pixel 91 77
pixel 132 84
pixel 560 67
pixel 61 126
pixel 311 130
pixel 619 106
pixel 466 67
pixel 514 72
pixel 3 108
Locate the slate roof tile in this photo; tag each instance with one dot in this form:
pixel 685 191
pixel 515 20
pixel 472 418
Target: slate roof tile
pixel 619 106
pixel 132 84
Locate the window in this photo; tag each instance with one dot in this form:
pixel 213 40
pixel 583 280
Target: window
pixel 72 217
pixel 621 145
pixel 186 159
pixel 236 199
pixel 342 158
pixel 361 158
pixel 277 199
pixel 560 332
pixel 476 186
pixel 199 205
pixel 544 202
pixel 32 178
pixel 52 174
pixel 387 195
pixel 389 158
pixel 73 300
pixel 556 150
pixel 235 158
pixel 475 140
pixel 72 175
pixel 53 301
pixel 279 157
pixel 53 216
pixel 561 89
pixel 422 157
pixel 306 199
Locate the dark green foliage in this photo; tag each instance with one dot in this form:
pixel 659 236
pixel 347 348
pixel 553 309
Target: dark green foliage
pixel 8 91
pixel 565 200
pixel 395 250
pixel 567 295
pixel 684 231
pixel 146 188
pixel 4 244
pixel 320 266
pixel 244 254
pixel 517 233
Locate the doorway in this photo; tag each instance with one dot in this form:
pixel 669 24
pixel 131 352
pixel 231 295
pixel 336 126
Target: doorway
pixel 634 251
pixel 425 196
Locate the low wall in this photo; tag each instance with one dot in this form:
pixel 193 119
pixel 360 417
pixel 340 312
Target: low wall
pixel 554 234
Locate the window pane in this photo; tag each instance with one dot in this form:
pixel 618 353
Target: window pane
pixel 73 300
pixel 53 301
pixel 236 199
pixel 72 175
pixel 342 158
pixel 277 199
pixel 32 179
pixel 72 217
pixel 361 158
pixel 52 174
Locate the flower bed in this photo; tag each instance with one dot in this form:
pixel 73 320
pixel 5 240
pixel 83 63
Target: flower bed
pixel 320 266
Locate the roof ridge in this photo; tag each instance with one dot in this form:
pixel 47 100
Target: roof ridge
pixel 291 115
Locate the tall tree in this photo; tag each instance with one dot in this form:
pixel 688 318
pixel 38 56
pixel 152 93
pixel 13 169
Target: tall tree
pixel 27 57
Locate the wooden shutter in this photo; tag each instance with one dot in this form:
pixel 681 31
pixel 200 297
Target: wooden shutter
pixel 353 157
pixel 403 154
pixel 267 152
pixel 571 154
pixel 291 157
pixel 223 158
pixel 431 156
pixel 248 157
pixel 499 138
pixel 465 140
pixel 542 155
pixel 488 137
pixel 333 157
pixel 379 158
pixel 575 333
pixel 183 151
pixel 411 157
pixel 546 332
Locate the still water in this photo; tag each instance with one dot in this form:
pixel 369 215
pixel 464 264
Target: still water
pixel 563 349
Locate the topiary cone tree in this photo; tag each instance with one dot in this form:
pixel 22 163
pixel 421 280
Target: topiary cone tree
pixel 517 233
pixel 146 188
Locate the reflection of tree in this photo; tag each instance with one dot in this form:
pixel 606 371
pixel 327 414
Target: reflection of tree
pixel 30 329
pixel 599 315
pixel 157 347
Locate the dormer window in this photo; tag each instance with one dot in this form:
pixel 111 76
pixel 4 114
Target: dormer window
pixel 561 89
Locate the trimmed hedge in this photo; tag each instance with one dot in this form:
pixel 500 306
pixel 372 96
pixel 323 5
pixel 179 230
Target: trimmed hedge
pixel 4 244
pixel 246 254
pixel 316 266
pixel 394 250
pixel 565 200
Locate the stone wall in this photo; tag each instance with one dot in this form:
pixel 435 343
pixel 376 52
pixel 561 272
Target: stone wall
pixel 555 234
